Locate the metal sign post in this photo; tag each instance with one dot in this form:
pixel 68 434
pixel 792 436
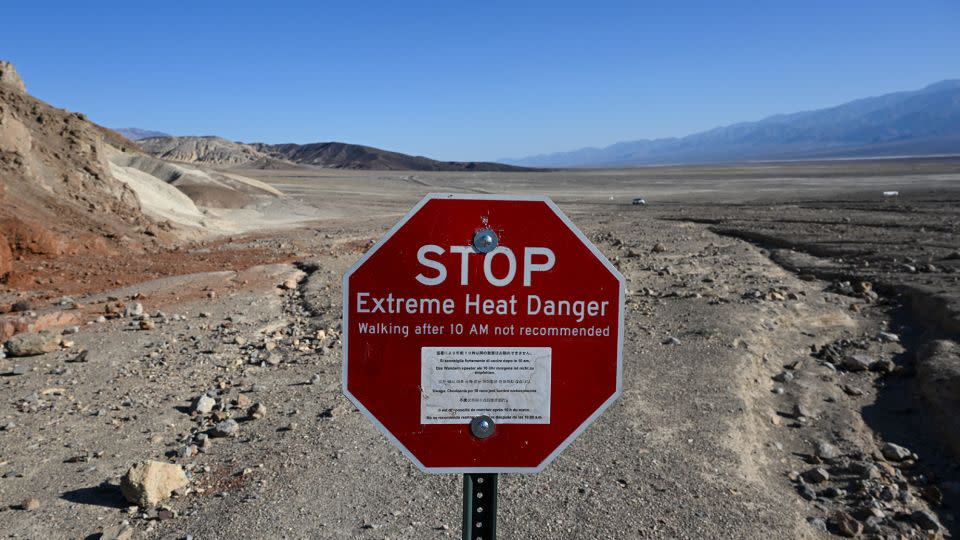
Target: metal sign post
pixel 480 506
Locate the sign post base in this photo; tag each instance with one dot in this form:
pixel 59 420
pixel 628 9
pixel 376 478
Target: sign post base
pixel 480 506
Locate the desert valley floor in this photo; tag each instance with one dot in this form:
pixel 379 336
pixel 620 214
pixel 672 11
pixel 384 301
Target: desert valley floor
pixel 749 289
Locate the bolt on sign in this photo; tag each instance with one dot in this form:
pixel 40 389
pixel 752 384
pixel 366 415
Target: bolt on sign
pixel 482 334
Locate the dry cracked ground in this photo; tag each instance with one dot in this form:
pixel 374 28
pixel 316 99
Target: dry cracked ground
pixel 761 400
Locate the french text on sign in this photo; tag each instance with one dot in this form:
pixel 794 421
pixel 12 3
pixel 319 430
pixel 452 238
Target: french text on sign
pixel 509 384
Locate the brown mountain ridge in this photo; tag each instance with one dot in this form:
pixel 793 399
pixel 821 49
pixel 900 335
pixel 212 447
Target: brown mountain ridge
pixel 331 155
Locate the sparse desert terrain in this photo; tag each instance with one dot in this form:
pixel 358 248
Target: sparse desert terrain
pixel 782 328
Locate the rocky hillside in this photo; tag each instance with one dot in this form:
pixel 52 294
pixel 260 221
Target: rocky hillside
pixel 209 150
pixel 71 187
pixel 336 155
pixel 332 155
pixel 57 194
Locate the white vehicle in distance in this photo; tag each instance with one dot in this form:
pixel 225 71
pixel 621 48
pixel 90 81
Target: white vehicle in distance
pixel 639 201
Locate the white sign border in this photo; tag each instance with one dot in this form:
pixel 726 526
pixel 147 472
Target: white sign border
pixel 485 197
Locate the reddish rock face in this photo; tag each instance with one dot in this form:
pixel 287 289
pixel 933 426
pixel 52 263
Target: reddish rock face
pixel 6 259
pixel 27 236
pixel 15 323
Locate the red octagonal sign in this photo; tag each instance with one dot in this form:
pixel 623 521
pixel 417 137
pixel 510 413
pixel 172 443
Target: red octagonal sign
pixel 482 333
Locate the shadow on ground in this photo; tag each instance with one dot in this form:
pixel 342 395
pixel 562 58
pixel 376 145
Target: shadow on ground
pixel 106 494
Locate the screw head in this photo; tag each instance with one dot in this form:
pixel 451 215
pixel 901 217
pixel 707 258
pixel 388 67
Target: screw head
pixel 482 427
pixel 485 240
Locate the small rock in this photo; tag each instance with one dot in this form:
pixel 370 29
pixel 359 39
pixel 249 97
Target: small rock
pixel 826 451
pixel 30 504
pixel 833 492
pixel 857 362
pixel 243 401
pixel 844 524
pixel 204 441
pixel 889 493
pixel 289 284
pixel 818 523
pixel 149 483
pixel 864 470
pixel 203 404
pixel 872 524
pixel 133 310
pixel 802 411
pixel 315 379
pixel 889 337
pixel 895 452
pixel 816 475
pixel 670 341
pixel 932 494
pixel 659 248
pixel 117 532
pixel 852 390
pixel 884 366
pixel 257 411
pixel 227 428
pixel 70 330
pixel 806 492
pixel 21 306
pixel 147 324
pixel 783 377
pixel 926 520
pixel 33 343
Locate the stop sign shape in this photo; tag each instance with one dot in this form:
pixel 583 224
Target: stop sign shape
pixel 482 333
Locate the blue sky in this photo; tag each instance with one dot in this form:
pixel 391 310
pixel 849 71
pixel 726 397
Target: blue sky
pixel 470 80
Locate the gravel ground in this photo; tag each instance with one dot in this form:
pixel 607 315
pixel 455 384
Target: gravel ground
pixel 709 440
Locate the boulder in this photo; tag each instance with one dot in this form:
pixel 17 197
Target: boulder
pixel 204 404
pixel 149 483
pixel 844 524
pixel 895 452
pixel 926 520
pixel 857 362
pixel 117 532
pixel 227 428
pixel 33 343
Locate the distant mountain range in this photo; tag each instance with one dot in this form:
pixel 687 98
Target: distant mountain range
pixel 333 155
pixel 135 134
pixel 915 123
